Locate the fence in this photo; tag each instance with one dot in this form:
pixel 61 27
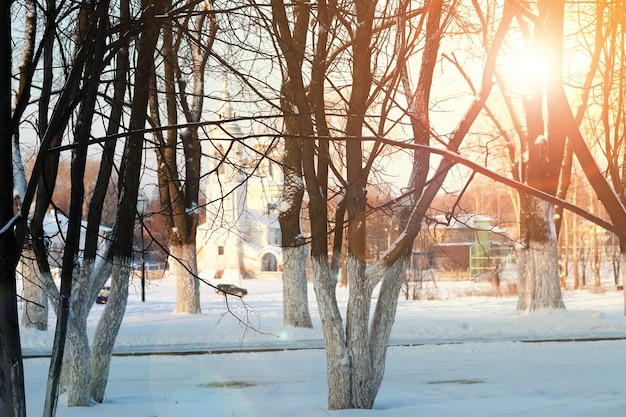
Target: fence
pixel 485 263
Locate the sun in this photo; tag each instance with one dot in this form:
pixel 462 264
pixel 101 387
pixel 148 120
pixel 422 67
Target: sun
pixel 533 65
pixel 524 65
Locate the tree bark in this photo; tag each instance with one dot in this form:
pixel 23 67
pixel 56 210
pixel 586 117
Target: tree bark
pixel 539 270
pixel 35 307
pixel 76 372
pixel 298 125
pixel 184 266
pixel 295 293
pixel 13 399
pixel 337 356
pixel 108 328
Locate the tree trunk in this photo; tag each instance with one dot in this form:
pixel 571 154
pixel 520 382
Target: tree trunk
pixel 295 297
pixel 356 360
pixel 337 356
pixel 392 278
pixel 4 407
pixel 622 270
pixel 71 322
pixel 539 280
pixel 295 292
pixel 108 328
pixel 357 332
pixel 35 307
pixel 185 269
pixel 76 375
pixel 110 321
pixel 13 400
pixel 539 286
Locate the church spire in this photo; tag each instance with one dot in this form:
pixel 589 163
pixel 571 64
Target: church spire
pixel 224 112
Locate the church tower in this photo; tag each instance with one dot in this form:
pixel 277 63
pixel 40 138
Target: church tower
pixel 241 236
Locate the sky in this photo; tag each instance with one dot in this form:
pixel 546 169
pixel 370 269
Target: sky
pixel 455 352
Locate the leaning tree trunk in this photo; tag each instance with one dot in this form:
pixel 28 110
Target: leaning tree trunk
pixel 108 328
pixel 392 278
pixel 76 372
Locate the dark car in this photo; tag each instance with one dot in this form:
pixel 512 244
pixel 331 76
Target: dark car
pixel 103 295
pixel 230 289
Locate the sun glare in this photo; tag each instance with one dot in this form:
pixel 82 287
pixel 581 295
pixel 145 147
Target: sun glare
pixel 532 65
pixel 523 67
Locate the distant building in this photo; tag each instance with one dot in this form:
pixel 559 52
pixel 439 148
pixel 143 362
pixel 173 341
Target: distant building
pixel 467 242
pixel 55 232
pixel 241 236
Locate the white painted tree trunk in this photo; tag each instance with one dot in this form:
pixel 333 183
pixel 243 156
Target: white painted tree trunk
pixel 185 267
pixel 357 334
pixel 295 293
pixel 76 373
pixel 391 278
pixel 337 355
pixel 539 285
pixel 356 359
pixel 108 328
pixel 35 311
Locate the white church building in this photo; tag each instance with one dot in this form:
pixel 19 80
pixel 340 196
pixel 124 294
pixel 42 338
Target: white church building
pixel 241 236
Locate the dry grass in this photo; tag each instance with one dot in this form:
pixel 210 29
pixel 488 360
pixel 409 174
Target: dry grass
pixel 596 290
pixel 427 294
pixel 508 289
pixel 458 382
pixel 230 384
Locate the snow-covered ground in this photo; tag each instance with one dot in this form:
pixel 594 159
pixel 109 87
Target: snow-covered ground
pixel 461 354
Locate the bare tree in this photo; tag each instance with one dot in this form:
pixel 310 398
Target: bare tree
pixel 295 294
pixel 74 294
pixel 12 395
pixel 549 140
pixel 606 109
pixel 356 353
pixel 110 321
pixel 538 263
pixel 83 271
pixel 35 310
pixel 179 177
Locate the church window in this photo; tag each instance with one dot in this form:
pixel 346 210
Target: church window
pixel 220 250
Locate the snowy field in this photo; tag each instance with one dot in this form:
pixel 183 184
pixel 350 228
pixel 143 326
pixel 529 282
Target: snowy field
pixel 463 354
